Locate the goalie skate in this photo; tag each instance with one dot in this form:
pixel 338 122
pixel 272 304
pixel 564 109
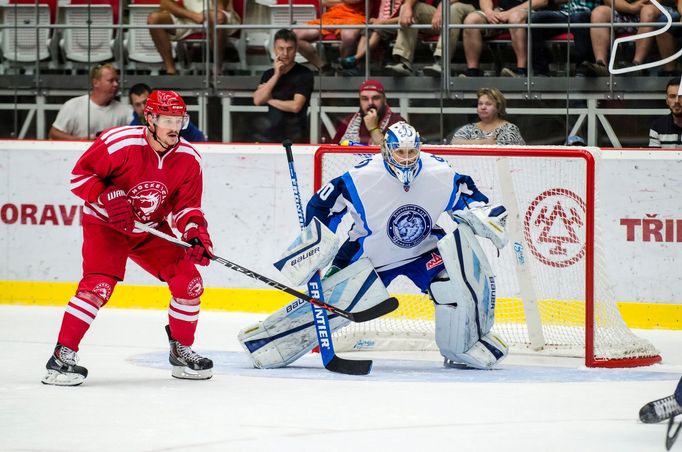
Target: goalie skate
pixel 187 364
pixel 63 369
pixel 660 410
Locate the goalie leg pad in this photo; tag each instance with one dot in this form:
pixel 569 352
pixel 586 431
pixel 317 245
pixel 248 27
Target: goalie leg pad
pixel 465 303
pixel 313 249
pixel 289 333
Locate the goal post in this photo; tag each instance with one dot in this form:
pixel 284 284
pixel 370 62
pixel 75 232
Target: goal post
pixel 553 293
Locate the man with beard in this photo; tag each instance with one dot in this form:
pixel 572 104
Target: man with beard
pixel 144 174
pixel 370 123
pixel 666 131
pixel 86 116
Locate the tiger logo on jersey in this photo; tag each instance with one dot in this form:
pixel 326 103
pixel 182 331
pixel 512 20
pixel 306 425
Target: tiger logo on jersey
pixel 408 226
pixel 147 197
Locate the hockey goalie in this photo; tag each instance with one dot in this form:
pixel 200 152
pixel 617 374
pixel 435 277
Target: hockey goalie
pixel 394 200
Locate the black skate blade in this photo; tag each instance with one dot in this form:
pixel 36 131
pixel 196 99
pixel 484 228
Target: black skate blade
pixel 670 435
pixel 383 308
pixel 349 366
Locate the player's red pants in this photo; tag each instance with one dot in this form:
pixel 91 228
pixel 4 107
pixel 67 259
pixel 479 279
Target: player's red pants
pixel 105 252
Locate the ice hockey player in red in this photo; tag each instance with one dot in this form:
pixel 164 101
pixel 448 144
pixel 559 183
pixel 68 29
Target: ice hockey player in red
pixel 146 174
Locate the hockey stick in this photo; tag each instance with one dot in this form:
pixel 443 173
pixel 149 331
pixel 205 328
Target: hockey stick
pixel 386 306
pixel 671 435
pixel 330 360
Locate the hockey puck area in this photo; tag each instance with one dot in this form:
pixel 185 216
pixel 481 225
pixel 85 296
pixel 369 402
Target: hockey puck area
pixel 413 370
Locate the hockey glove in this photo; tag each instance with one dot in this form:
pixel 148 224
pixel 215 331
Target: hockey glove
pixel 118 208
pixel 201 251
pixel 486 221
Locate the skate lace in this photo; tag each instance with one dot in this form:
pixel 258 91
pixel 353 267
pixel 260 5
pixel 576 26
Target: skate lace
pixel 67 356
pixel 667 407
pixel 187 354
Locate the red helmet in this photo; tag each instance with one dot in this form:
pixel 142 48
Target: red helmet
pixel 167 103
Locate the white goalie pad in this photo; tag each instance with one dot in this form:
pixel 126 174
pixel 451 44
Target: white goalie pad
pixel 486 221
pixel 313 249
pixel 465 302
pixel 289 333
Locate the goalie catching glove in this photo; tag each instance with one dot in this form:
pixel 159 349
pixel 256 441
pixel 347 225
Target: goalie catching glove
pixel 201 251
pixel 486 221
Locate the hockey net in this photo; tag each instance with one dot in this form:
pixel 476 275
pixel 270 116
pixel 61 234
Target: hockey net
pixel 553 295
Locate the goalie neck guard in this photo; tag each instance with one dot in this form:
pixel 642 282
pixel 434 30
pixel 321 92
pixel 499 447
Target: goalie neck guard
pixel 400 149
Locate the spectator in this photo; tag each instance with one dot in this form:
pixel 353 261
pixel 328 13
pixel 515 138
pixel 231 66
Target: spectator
pixel 666 131
pixel 190 12
pixel 666 43
pixel 419 12
pixel 369 124
pixel 388 15
pixel 339 12
pixel 571 11
pixel 625 12
pixel 86 116
pixel 138 95
pixel 491 128
pixel 286 89
pixel 506 12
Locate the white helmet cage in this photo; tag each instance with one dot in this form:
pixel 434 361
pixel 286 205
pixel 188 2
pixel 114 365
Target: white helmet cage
pixel 401 135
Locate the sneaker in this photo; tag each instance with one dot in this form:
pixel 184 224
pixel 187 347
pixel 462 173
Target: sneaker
pixel 433 70
pixel 472 72
pixel 597 69
pixel 401 69
pixel 62 368
pixel 348 62
pixel 515 73
pixel 188 364
pixel 660 410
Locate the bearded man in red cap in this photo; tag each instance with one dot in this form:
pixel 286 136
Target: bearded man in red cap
pixel 369 124
pixel 139 173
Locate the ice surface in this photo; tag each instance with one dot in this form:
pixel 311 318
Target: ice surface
pixel 408 403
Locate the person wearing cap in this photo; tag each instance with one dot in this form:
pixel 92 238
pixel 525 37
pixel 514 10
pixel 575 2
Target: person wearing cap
pixel 369 124
pixel 145 174
pixel 84 117
pixel 286 90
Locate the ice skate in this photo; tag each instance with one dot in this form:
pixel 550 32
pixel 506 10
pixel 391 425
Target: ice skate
pixel 660 410
pixel 62 368
pixel 187 364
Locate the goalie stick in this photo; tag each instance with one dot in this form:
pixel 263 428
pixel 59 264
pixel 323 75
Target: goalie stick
pixel 388 305
pixel 330 360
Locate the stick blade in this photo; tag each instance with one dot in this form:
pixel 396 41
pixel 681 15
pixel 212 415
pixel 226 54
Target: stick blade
pixel 349 366
pixel 383 308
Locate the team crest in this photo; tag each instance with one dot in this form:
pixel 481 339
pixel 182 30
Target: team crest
pixel 147 197
pixel 408 226
pixel 195 288
pixel 102 290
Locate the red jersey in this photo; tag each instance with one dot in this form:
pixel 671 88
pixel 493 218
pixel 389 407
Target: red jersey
pixel 157 185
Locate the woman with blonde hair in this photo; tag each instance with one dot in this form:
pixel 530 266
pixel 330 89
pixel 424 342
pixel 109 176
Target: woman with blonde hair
pixel 491 128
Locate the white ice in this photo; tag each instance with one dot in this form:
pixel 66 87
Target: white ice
pixel 408 403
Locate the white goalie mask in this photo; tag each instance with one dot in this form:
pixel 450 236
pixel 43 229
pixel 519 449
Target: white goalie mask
pixel 400 149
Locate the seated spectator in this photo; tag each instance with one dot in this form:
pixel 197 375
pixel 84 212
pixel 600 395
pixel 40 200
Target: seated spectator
pixel 388 15
pixel 369 124
pixel 191 12
pixel 571 11
pixel 506 12
pixel 625 12
pixel 491 128
pixel 666 43
pixel 286 90
pixel 419 12
pixel 138 95
pixel 339 12
pixel 666 131
pixel 86 116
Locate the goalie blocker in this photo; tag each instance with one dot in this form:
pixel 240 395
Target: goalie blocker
pixel 289 333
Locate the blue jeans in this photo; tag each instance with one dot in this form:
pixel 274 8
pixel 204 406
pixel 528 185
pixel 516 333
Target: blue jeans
pixel 583 47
